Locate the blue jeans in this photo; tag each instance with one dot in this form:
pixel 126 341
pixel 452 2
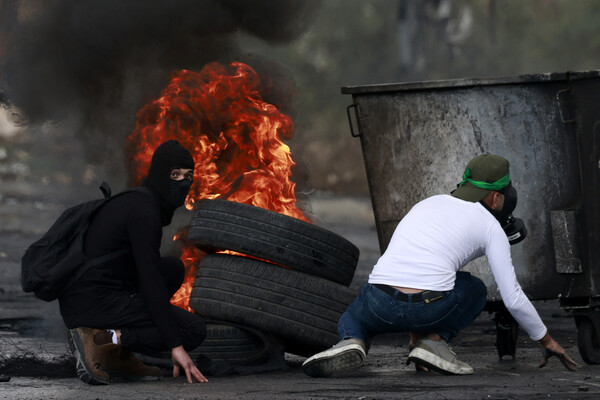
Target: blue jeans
pixel 374 311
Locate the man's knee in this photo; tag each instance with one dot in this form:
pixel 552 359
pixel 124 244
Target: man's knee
pixel 471 282
pixel 479 288
pixel 472 286
pixel 480 291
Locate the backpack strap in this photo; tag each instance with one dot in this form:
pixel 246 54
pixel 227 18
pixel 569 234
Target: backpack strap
pixel 106 190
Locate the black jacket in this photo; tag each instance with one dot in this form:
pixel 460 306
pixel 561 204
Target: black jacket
pixel 133 221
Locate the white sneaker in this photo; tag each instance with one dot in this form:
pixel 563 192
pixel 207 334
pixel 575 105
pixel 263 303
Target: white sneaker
pixel 344 356
pixel 439 357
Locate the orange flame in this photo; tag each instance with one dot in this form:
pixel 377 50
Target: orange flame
pixel 235 137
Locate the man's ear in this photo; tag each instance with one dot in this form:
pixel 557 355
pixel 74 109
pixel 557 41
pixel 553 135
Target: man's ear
pixel 496 200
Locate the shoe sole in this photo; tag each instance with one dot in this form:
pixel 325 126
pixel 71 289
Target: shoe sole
pixel 436 363
pixel 84 372
pixel 329 365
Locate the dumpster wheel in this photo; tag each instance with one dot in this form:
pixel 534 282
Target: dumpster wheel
pixel 587 341
pixel 507 331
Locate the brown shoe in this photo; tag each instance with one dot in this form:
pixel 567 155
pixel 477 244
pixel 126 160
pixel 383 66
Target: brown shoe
pixel 121 363
pixel 89 356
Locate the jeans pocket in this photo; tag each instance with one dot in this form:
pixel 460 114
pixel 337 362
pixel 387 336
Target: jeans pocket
pixel 430 315
pixel 382 309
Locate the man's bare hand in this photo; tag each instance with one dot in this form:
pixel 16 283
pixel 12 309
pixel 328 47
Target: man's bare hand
pixel 181 359
pixel 551 348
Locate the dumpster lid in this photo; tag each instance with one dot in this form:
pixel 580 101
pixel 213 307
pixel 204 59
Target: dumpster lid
pixel 469 82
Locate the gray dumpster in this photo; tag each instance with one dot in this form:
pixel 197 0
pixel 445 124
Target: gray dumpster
pixel 416 139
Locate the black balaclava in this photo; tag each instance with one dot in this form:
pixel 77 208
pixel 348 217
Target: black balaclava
pixel 168 156
pixel 513 227
pixel 510 203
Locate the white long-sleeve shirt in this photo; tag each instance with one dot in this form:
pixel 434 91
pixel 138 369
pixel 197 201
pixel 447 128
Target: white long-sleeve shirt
pixel 442 234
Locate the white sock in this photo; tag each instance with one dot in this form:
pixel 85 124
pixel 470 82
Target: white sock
pixel 114 336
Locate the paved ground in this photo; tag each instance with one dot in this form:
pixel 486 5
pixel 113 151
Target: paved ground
pixel 33 328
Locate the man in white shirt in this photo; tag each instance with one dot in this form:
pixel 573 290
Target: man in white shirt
pixel 417 286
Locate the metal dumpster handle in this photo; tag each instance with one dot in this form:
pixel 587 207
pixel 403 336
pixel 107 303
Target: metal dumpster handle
pixel 565 106
pixel 356 113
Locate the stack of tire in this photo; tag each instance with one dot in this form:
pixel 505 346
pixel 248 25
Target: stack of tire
pixel 292 283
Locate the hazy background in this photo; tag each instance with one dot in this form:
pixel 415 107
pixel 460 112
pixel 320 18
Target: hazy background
pixel 74 72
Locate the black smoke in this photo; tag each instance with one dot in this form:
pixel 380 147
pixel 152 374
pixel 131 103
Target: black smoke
pixel 94 63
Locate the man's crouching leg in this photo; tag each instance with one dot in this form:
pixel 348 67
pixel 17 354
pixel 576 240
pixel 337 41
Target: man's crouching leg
pixel 122 363
pixel 349 353
pixel 434 351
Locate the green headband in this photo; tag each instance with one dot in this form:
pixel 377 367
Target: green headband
pixel 498 185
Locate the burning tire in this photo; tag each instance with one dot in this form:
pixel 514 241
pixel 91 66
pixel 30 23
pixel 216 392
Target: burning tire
pixel 300 309
pixel 226 225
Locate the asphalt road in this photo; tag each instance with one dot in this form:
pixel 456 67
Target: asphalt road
pixel 32 327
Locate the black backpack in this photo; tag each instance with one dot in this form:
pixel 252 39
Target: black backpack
pixel 56 261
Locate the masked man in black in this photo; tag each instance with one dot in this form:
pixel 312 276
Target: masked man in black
pixel 123 305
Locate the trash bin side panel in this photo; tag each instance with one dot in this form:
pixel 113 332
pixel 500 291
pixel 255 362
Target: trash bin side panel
pixel 585 101
pixel 417 143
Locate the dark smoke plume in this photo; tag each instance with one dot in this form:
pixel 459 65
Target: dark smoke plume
pixel 94 63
